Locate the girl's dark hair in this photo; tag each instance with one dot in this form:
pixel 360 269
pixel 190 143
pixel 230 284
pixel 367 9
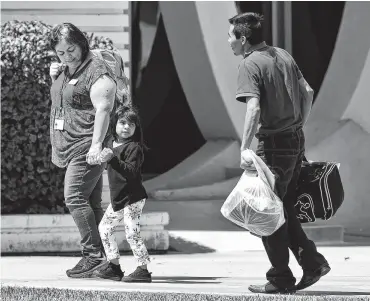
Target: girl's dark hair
pixel 131 114
pixel 248 25
pixel 71 34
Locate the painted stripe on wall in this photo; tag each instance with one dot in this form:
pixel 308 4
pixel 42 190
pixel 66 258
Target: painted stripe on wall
pixel 67 11
pixel 116 21
pixel 63 4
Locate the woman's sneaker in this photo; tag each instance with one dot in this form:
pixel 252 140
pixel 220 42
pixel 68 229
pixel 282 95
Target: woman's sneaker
pixel 109 271
pixel 139 275
pixel 85 267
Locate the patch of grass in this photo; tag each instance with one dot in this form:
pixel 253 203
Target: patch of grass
pixel 15 293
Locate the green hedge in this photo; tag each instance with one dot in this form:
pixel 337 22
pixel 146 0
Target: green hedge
pixel 30 183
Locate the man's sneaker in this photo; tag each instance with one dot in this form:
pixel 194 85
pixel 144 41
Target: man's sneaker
pixel 269 288
pixel 139 275
pixel 109 271
pixel 85 267
pixel 311 277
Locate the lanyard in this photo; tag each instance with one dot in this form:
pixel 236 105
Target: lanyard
pixel 66 79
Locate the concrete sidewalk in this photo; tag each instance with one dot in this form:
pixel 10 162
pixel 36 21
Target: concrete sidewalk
pixel 216 273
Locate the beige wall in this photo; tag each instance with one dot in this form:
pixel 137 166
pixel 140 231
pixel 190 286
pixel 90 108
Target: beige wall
pixel 197 32
pixel 338 128
pixel 343 74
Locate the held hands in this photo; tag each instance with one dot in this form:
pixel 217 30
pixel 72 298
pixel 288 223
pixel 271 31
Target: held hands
pixel 246 162
pixel 106 155
pixel 55 70
pixel 93 156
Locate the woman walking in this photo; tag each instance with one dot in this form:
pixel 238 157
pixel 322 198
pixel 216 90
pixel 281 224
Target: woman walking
pixel 82 96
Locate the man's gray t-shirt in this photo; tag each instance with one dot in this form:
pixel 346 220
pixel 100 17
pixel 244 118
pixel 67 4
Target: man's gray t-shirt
pixel 272 75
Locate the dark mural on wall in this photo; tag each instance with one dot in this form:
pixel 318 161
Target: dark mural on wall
pixel 314 32
pixel 261 7
pixel 170 130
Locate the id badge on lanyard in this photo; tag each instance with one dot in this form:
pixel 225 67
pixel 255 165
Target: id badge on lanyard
pixel 59 114
pixel 59 120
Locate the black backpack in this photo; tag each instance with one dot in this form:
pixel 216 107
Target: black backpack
pixel 319 191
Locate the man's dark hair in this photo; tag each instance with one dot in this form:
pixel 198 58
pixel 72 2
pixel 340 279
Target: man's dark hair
pixel 248 25
pixel 71 34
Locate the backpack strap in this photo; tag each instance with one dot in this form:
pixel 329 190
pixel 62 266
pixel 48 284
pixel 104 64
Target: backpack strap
pixel 98 54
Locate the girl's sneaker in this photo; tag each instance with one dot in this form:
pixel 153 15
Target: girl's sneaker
pixel 109 271
pixel 139 275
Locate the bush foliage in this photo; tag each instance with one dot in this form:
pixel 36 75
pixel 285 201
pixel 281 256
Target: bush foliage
pixel 30 183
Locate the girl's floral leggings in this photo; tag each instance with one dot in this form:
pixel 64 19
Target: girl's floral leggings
pixel 130 215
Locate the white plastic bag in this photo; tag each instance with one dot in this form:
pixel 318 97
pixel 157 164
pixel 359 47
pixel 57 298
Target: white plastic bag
pixel 252 204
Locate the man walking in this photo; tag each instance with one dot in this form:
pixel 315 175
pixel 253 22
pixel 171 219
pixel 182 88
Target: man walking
pixel 278 97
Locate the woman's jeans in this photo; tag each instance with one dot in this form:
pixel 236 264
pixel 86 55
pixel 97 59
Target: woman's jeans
pixel 283 153
pixel 83 186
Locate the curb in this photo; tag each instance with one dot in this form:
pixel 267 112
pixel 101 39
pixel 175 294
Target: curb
pixel 34 233
pixel 10 293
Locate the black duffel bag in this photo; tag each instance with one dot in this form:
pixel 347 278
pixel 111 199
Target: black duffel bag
pixel 319 191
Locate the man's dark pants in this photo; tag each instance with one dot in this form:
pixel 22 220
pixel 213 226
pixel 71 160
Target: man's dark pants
pixel 283 153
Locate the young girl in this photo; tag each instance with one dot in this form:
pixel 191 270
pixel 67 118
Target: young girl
pixel 124 155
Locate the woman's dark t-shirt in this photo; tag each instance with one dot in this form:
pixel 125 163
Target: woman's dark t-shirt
pixel 71 101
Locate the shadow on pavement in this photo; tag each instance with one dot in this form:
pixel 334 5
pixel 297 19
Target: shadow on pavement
pixel 186 280
pixel 183 246
pixel 331 293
